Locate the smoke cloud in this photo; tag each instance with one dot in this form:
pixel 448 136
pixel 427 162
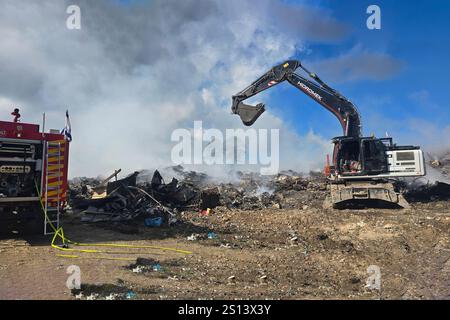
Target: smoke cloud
pixel 137 70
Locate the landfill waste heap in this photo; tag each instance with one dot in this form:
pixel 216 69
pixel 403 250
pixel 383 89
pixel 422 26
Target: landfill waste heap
pixel 145 195
pixel 148 196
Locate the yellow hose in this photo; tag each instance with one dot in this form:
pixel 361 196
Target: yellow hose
pixel 60 233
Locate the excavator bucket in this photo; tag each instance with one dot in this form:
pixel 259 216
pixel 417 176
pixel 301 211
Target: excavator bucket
pixel 249 113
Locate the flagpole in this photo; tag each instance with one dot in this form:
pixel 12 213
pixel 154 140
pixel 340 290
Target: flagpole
pixel 43 124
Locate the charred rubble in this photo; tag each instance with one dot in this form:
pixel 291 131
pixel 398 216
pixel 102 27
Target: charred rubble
pixel 146 195
pixel 142 195
pixel 437 191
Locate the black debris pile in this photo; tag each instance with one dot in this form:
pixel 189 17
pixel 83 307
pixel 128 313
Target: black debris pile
pixel 240 197
pixel 429 192
pixel 435 186
pixel 174 194
pixel 244 190
pixel 285 190
pixel 192 178
pixel 155 199
pixel 123 200
pixel 209 198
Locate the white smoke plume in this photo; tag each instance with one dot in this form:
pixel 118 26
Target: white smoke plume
pixel 136 71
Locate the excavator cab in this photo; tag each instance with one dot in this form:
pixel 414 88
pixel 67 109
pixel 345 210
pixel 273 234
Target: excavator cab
pixel 359 156
pixel 347 156
pixel 374 156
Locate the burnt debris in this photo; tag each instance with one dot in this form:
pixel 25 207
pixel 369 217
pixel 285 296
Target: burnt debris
pixel 148 197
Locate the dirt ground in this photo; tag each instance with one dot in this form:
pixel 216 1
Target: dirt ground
pixel 308 253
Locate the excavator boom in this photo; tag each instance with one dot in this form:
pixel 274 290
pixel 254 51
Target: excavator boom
pixel 329 98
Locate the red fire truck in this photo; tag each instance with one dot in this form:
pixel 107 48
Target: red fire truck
pixel 33 177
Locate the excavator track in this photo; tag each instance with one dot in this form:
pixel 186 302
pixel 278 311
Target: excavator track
pixel 355 192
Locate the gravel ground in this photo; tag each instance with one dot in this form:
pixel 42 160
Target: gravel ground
pixel 301 253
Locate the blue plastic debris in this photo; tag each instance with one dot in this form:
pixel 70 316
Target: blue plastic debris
pixel 130 295
pixel 157 267
pixel 212 235
pixel 153 222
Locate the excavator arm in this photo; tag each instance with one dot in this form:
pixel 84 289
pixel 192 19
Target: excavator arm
pixel 329 98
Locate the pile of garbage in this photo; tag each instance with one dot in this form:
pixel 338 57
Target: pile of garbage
pixel 122 200
pixel 284 190
pixel 435 186
pixel 158 202
pixel 429 192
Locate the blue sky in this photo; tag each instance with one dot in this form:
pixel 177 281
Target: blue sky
pixel 413 98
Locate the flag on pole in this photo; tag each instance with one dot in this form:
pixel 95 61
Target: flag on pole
pixel 67 130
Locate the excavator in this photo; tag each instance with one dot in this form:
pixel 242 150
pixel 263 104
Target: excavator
pixel 363 169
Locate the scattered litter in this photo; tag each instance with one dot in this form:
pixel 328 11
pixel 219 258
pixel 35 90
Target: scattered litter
pixel 138 269
pixel 93 296
pixel 130 295
pixel 205 212
pixel 79 296
pixel 144 265
pixel 192 237
pixel 212 235
pixel 112 296
pixel 157 267
pixel 305 251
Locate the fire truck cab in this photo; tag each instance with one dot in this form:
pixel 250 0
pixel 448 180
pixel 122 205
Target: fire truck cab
pixel 33 178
